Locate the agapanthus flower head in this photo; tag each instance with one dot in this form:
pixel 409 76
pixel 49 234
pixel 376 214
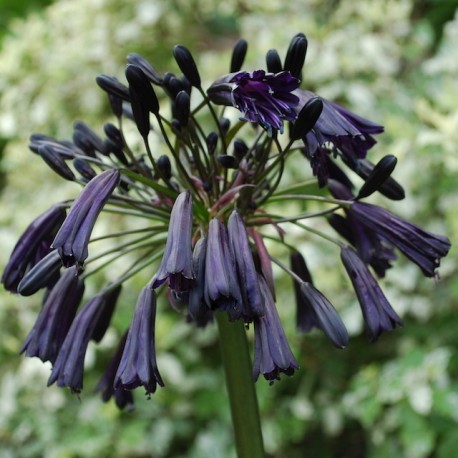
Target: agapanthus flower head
pixel 195 213
pixel 263 98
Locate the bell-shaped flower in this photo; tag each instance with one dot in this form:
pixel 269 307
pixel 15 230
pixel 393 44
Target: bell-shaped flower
pixel 326 316
pixel 422 247
pixel 69 365
pixel 199 311
pixel 124 398
pixel 176 264
pixel 378 314
pixel 138 362
pixel 246 271
pixel 272 354
pixel 56 316
pixel 222 290
pixel 73 237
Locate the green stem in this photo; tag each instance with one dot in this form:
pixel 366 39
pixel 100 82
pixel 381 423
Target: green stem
pixel 240 387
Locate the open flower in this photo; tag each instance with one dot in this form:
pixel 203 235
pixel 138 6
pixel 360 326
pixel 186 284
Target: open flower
pixel 263 98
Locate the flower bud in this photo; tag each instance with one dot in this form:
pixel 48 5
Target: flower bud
pixel 187 64
pixel 378 176
pixel 295 56
pixel 273 61
pixel 307 118
pixel 238 55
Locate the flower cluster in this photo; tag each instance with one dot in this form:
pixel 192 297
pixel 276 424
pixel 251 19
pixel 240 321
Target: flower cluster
pixel 205 198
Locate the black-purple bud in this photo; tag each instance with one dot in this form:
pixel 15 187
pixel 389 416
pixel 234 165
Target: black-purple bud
pixel 84 169
pixel 182 108
pixel 390 187
pixel 212 141
pixel 112 86
pixel 295 56
pixel 240 149
pixel 56 162
pixel 151 73
pixel 273 61
pixel 380 173
pixel 163 163
pixel 238 55
pixel 307 118
pixel 228 162
pixel 143 98
pixel 187 64
pixel 225 124
pixel 92 140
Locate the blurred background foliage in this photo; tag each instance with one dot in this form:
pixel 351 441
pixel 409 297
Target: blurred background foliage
pixel 393 61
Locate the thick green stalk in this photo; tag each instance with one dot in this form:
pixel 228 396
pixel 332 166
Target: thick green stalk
pixel 240 387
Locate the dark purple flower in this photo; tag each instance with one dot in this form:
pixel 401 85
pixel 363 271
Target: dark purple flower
pixel 246 271
pixel 33 245
pixel 339 129
pixel 124 398
pixel 138 362
pixel 422 247
pixel 263 98
pixel 69 366
pixel 176 264
pixel 56 316
pixel 305 318
pixel 372 248
pixel 326 316
pixel 272 354
pixel 199 311
pixel 72 239
pixel 222 290
pixel 378 314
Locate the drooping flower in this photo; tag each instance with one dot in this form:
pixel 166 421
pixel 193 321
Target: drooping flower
pixel 199 311
pixel 378 314
pixel 263 98
pixel 305 318
pixel 176 265
pixel 72 239
pixel 248 279
pixel 222 290
pixel 326 316
pixel 56 316
pixel 124 398
pixel 422 247
pixel 272 354
pixel 138 366
pixel 33 245
pixel 69 365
